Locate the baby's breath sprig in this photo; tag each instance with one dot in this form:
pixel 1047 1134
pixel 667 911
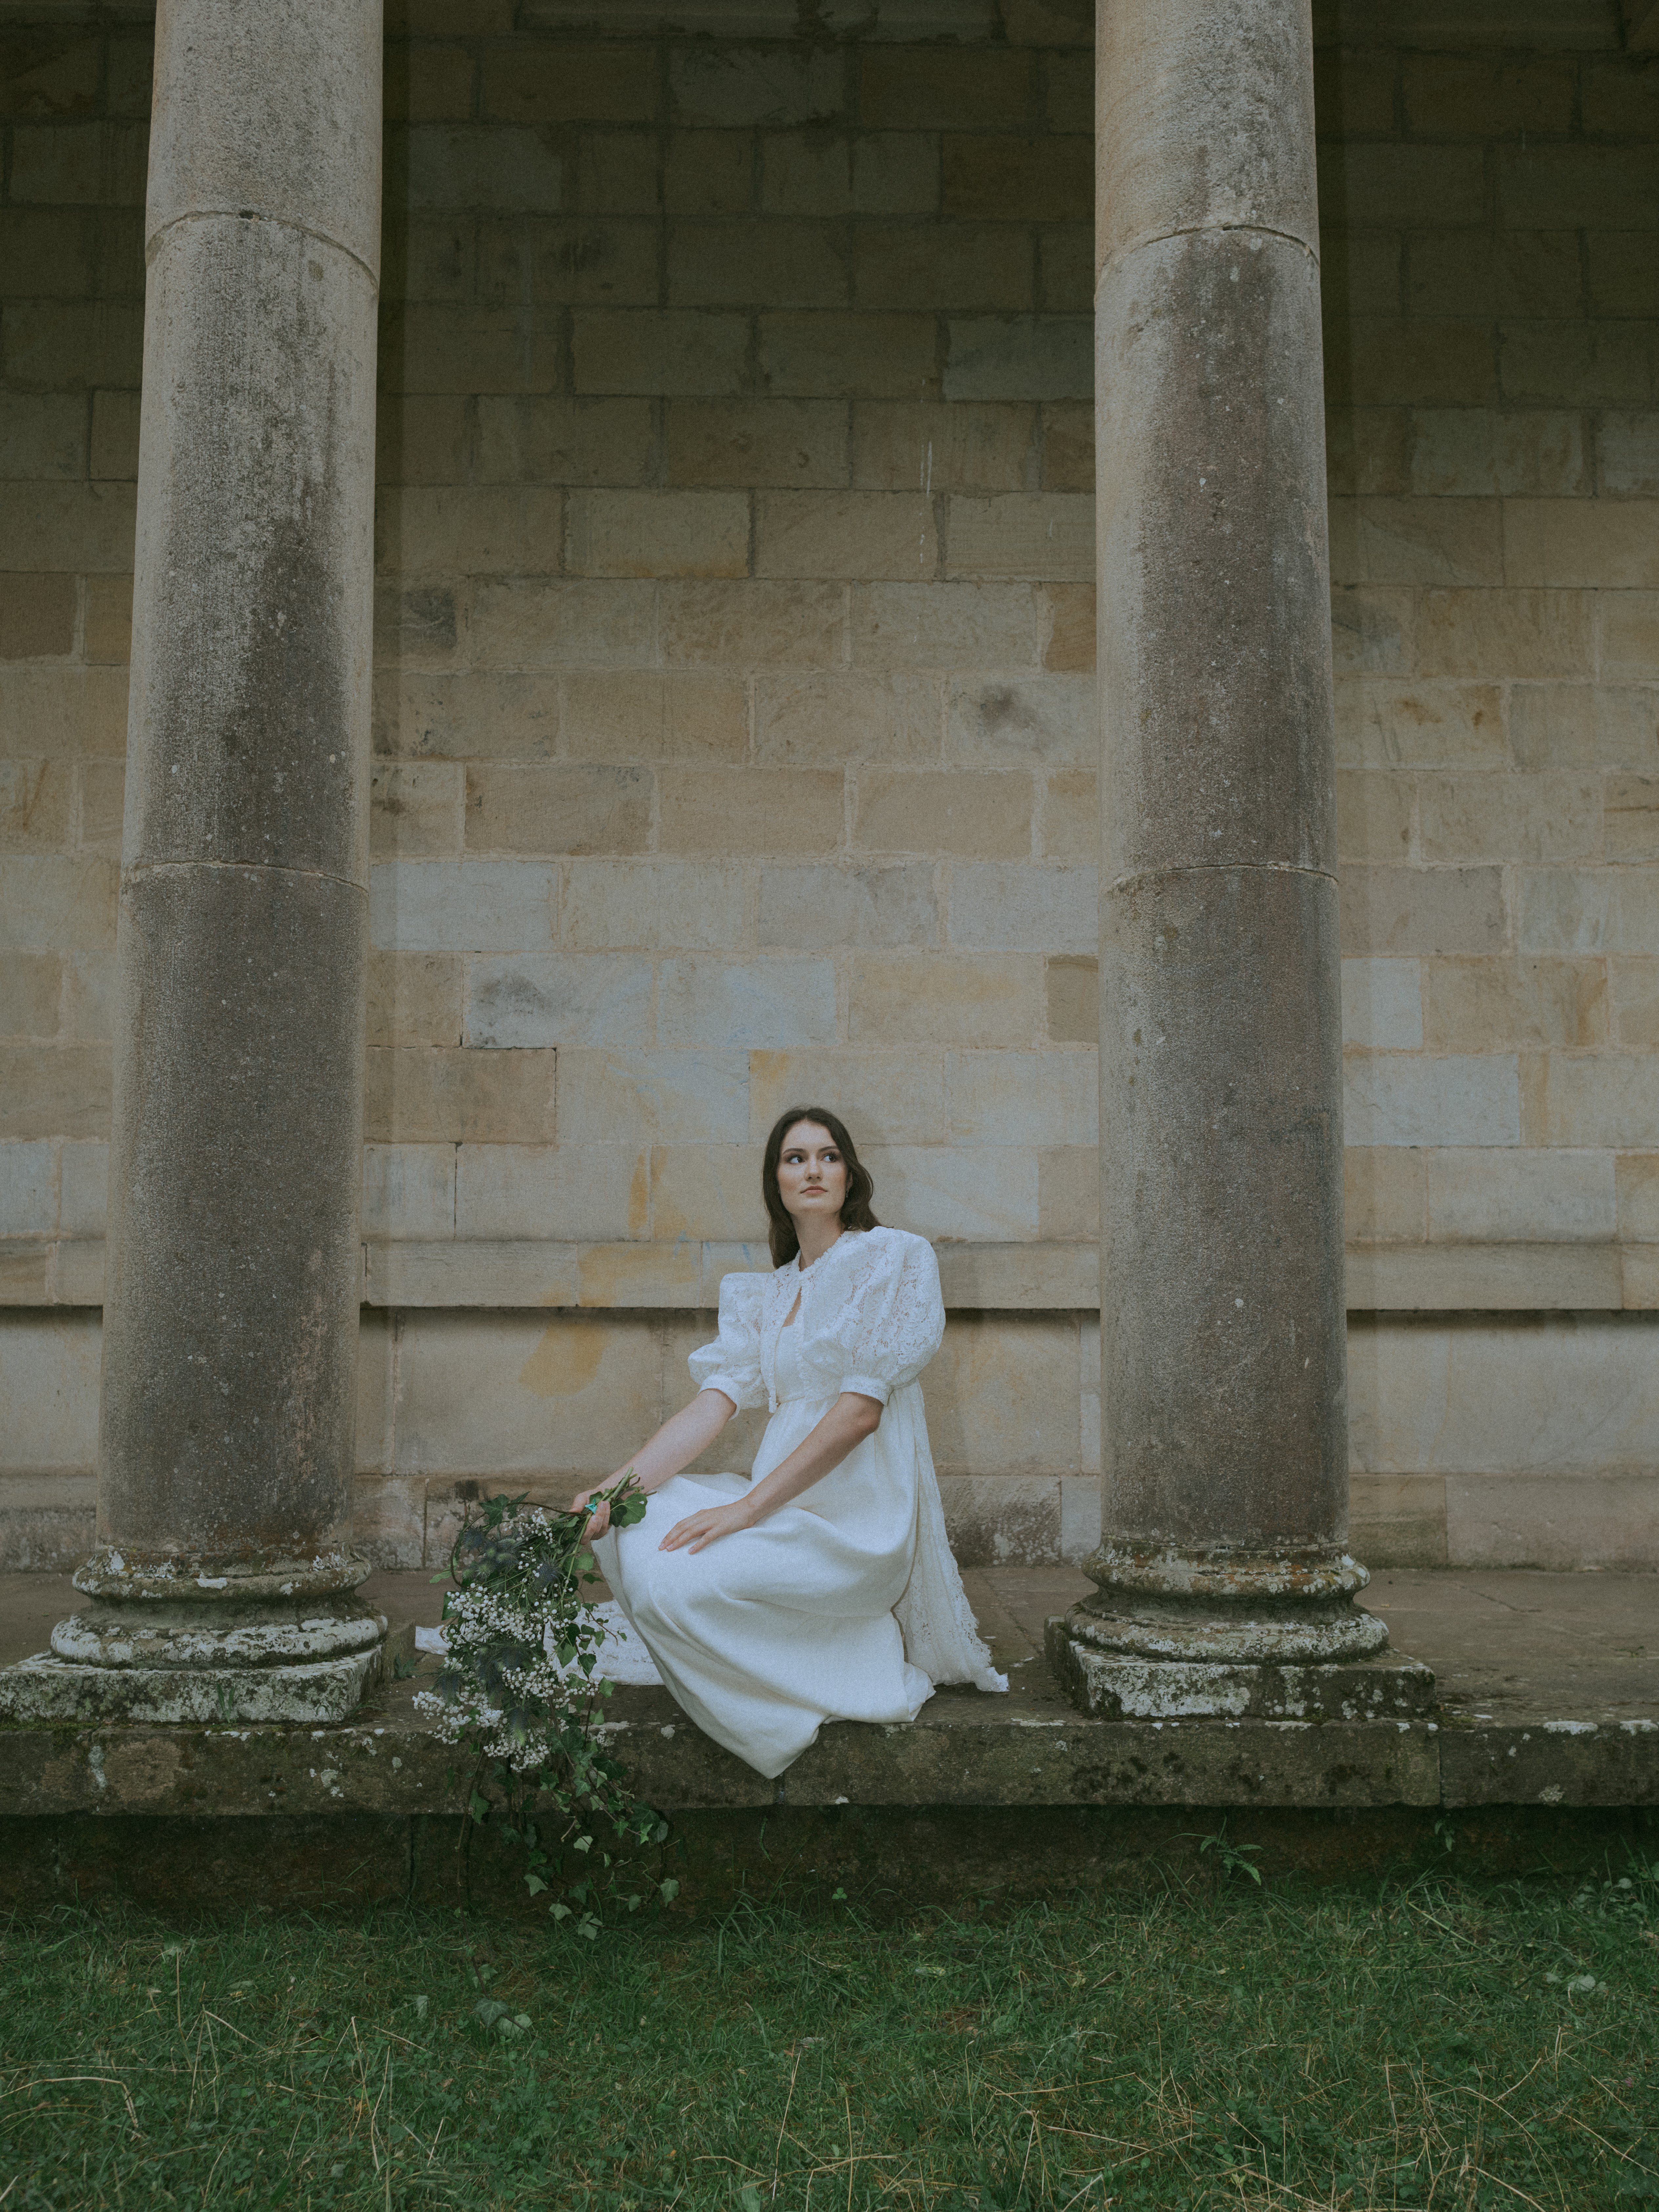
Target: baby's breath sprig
pixel 520 1687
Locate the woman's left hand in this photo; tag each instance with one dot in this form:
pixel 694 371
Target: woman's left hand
pixel 698 1529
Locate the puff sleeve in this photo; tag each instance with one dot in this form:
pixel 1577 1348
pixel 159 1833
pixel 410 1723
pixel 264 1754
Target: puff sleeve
pixel 888 1324
pixel 732 1362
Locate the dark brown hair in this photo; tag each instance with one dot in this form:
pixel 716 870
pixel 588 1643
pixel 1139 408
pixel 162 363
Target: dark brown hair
pixel 860 1188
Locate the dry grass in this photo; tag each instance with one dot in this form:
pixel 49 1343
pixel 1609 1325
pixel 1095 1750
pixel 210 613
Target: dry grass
pixel 1464 2047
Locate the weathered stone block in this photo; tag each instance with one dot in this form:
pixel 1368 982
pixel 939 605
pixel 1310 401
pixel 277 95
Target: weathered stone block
pixel 899 444
pixel 706 1190
pixel 416 808
pixel 1628 453
pixel 1011 180
pixel 796 442
pixel 855 534
pixel 870 355
pixel 710 172
pixel 651 352
pixel 556 808
pixel 530 83
pixel 1479 1005
pixel 409 1190
pixel 653 1097
pixel 1047 720
pixel 462 905
pixel 1074 1001
pixel 467 529
pixel 1423 910
pixel 1543 1196
pixel 86 527
pixel 1631 803
pixel 773 1005
pixel 625 715
pixel 983 1196
pixel 1002 1395
pixel 1023 907
pixel 42 433
pixel 729 264
pixel 975 815
pixel 1571 363
pixel 940 625
pixel 1068 824
pixel 429 83
pixel 1607 1099
pixel 468 165
pixel 1023 1098
pixel 886 1098
pixel 36 803
pixel 1048 535
pixel 1375 817
pixel 576 1192
pixel 53 904
pixel 438 346
pixel 536 623
pixel 523 1391
pixel 659 533
pixel 822 908
pixel 1604 543
pixel 31 989
pixel 750 811
pixel 415 627
pixel 1383 723
pixel 414 998
pixel 1383 1005
pixel 1472 450
pixel 37 617
pixel 730 85
pixel 832 719
pixel 995 999
pixel 552 439
pixel 740 625
pixel 29 1189
pixel 661 903
pixel 1587 909
pixel 1032 357
pixel 1384 1194
pixel 547 999
pixel 954 265
pixel 1585 1520
pixel 435 1095
pixel 1450 1100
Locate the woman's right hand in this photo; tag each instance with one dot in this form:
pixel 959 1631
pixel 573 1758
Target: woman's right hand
pixel 599 1521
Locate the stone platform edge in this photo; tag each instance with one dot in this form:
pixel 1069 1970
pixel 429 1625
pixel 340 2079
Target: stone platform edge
pixel 1025 1755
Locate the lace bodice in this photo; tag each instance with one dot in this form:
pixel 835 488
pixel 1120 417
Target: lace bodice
pixel 871 1316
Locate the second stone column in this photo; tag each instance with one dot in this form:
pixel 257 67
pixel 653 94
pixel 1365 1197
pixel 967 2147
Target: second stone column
pixel 1222 1322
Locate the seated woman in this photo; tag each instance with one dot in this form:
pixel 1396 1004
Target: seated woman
pixel 822 1587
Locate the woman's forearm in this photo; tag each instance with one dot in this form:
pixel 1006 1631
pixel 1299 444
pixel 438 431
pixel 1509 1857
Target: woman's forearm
pixel 842 1430
pixel 679 1440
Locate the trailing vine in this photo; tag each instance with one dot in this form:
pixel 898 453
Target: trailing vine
pixel 520 1687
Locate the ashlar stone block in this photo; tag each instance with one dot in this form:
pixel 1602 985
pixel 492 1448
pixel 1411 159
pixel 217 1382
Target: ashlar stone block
pixel 683 904
pixel 567 1192
pixel 1383 1005
pixel 777 1004
pixel 1454 1099
pixel 1025 906
pixel 820 907
pixel 462 905
pixel 548 999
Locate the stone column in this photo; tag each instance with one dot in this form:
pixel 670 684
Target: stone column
pixel 1223 1562
pixel 223 1582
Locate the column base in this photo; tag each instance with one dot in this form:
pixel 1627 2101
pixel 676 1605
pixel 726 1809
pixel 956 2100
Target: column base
pixel 170 1640
pixel 50 1689
pixel 1123 1686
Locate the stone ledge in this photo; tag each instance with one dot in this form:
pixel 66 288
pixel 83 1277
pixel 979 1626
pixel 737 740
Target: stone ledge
pixel 1032 1751
pixel 461 1272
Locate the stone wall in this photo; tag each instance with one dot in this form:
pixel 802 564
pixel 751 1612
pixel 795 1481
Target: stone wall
pixel 734 734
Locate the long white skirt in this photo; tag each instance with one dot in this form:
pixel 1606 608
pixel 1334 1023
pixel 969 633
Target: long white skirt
pixel 770 1631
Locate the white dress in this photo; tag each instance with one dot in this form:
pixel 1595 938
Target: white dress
pixel 846 1605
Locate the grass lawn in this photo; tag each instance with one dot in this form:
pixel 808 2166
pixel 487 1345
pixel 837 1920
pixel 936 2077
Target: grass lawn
pixel 1448 2045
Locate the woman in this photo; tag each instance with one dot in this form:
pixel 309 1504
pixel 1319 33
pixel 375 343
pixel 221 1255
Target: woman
pixel 822 1587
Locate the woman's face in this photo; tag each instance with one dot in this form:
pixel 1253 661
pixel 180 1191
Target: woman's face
pixel 811 1174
